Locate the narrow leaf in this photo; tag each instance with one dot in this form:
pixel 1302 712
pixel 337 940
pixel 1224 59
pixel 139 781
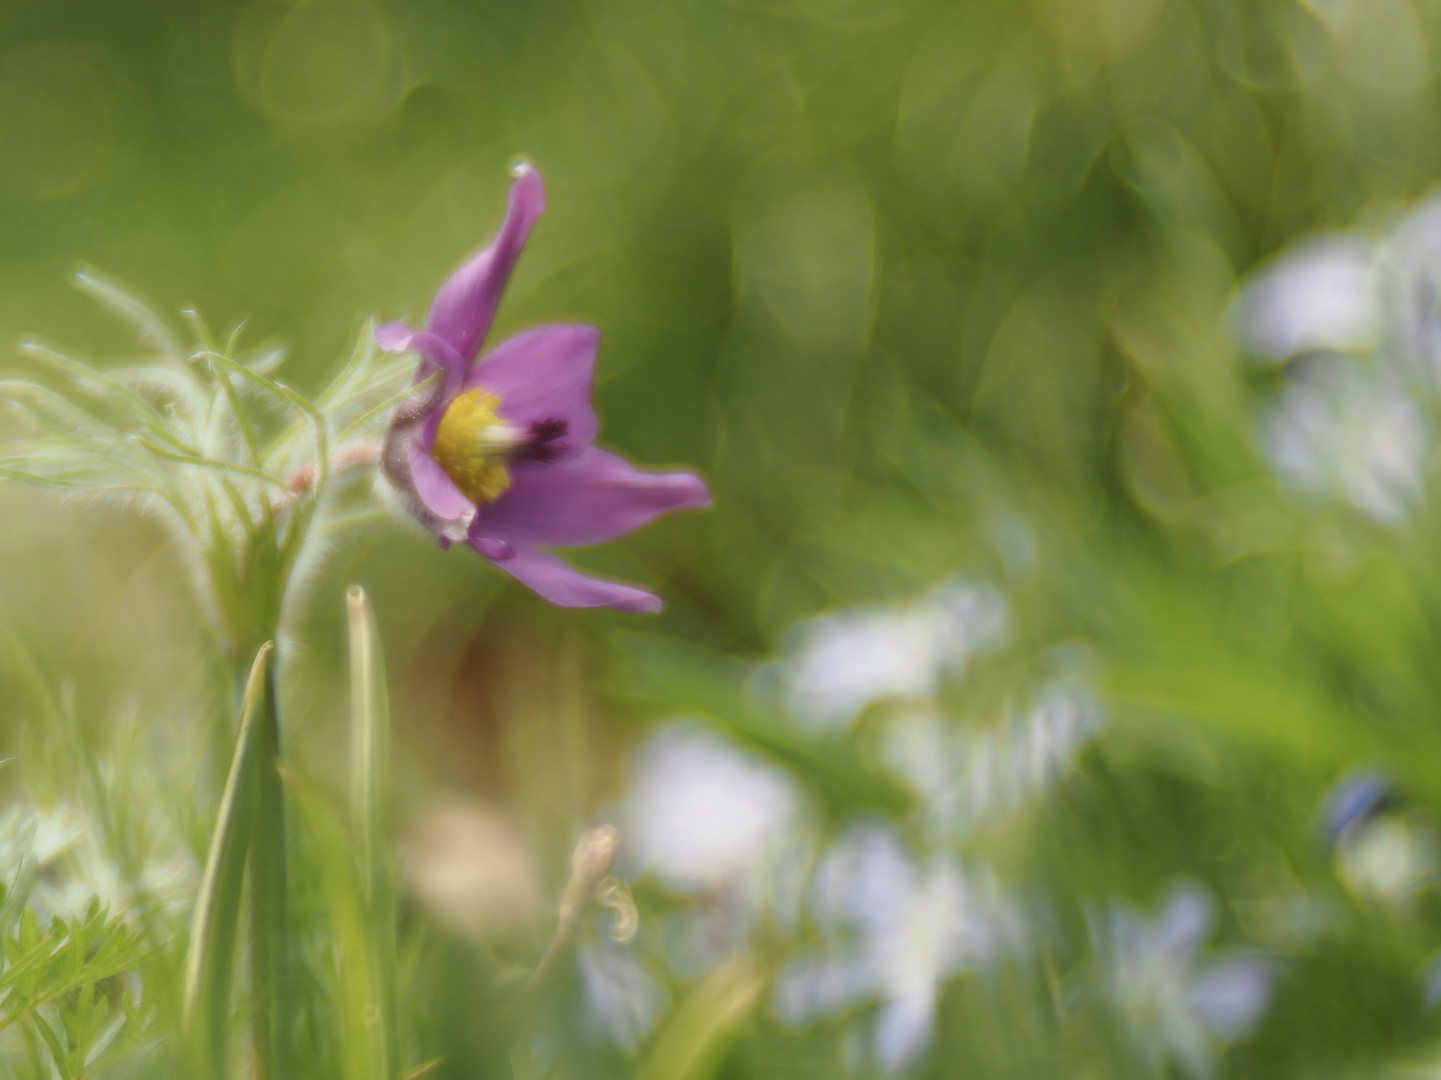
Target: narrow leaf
pixel 270 972
pixel 363 1046
pixel 217 907
pixel 370 815
pixel 693 1043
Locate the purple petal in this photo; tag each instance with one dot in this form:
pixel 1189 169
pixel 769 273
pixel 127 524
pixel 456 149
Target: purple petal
pixel 393 336
pixel 436 354
pixel 587 498
pixel 565 586
pixel 1230 995
pixel 493 549
pixel 544 374
pixel 435 489
pixel 467 301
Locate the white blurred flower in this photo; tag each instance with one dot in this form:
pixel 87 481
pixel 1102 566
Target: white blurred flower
pixel 622 999
pixel 1322 296
pixel 1410 264
pixel 1345 292
pixel 1381 850
pixel 702 813
pixel 1352 427
pixel 1391 859
pixel 1344 429
pixel 715 823
pixel 838 664
pixel 967 776
pixel 898 931
pixel 1172 1003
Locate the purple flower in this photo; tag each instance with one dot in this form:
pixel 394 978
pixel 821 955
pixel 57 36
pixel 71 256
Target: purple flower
pixel 498 453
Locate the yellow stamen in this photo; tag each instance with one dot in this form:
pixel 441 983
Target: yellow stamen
pixel 470 446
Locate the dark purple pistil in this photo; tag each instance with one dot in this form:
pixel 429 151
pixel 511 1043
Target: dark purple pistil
pixel 544 441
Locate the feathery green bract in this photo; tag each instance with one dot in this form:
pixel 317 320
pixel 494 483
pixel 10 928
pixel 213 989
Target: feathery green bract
pixel 206 437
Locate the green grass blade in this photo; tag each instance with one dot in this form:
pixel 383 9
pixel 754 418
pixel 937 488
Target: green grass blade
pixel 370 815
pixel 694 1041
pixel 217 907
pixel 364 1051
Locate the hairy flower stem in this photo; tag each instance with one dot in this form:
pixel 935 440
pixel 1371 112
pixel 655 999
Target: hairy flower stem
pixel 347 458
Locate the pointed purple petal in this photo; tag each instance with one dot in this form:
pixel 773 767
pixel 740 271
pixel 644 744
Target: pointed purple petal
pixel 587 498
pixel 393 336
pixel 467 301
pixel 493 549
pixel 544 374
pixel 554 580
pixel 434 488
pixel 436 354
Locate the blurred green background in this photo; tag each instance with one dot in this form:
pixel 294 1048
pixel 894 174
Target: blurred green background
pixel 922 288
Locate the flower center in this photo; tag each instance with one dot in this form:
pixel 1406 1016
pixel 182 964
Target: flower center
pixel 472 445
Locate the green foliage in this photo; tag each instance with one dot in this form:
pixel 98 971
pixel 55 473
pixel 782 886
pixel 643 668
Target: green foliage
pixel 64 985
pixel 925 290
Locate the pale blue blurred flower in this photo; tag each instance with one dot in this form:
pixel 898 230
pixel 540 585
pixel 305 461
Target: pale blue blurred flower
pixel 1321 296
pixel 1431 982
pixel 1347 429
pixel 1352 802
pixel 701 813
pixel 1380 852
pixel 1361 319
pixel 719 825
pixel 1173 1003
pixel 1410 263
pixel 897 932
pixel 835 665
pixel 968 776
pixel 1346 292
pixel 622 999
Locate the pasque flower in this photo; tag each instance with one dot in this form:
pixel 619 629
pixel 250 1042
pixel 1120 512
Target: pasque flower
pixel 497 452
